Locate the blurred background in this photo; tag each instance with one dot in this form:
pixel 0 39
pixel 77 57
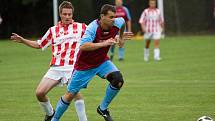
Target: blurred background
pixel 32 18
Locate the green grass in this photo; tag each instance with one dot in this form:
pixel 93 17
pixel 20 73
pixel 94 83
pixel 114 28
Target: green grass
pixel 179 88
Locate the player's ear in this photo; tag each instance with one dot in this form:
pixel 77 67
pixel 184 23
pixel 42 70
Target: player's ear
pixel 101 16
pixel 60 15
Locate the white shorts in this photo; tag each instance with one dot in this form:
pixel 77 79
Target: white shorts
pixel 61 74
pixel 152 36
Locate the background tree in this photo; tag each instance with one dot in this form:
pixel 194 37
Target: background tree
pixel 33 17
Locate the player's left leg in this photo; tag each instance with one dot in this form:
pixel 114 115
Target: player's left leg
pixel 156 50
pixel 121 53
pixel 43 88
pixel 79 80
pixel 64 103
pixel 156 36
pixel 80 107
pixel 113 75
pixel 112 48
pixel 78 99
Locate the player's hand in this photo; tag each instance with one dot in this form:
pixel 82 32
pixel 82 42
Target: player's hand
pixel 121 42
pixel 143 30
pixel 110 41
pixel 16 38
pixel 128 35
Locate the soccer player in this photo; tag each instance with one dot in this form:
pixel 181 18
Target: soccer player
pixel 64 38
pixel 121 11
pixel 1 19
pixel 152 25
pixel 93 60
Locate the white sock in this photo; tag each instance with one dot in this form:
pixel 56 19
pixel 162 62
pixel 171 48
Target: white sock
pixel 47 107
pixel 80 109
pixel 146 52
pixel 156 53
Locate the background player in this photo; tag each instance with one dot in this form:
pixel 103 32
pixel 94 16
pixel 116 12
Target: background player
pixel 152 25
pixel 93 60
pixel 65 41
pixel 121 11
pixel 1 19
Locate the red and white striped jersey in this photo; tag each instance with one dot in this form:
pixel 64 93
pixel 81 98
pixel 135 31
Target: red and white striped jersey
pixel 65 41
pixel 152 20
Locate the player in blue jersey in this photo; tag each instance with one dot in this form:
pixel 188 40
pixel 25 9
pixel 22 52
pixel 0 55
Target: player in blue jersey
pixel 93 60
pixel 121 11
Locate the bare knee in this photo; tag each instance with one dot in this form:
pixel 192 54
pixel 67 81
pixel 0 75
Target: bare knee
pixel 68 96
pixel 40 94
pixel 78 96
pixel 148 43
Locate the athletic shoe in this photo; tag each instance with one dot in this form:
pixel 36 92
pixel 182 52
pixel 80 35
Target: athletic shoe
pixel 121 59
pixel 157 59
pixel 146 59
pixel 105 114
pixel 49 118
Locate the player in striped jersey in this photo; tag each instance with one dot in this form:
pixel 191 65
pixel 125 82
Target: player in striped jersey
pixel 121 11
pixel 152 25
pixel 64 38
pixel 93 60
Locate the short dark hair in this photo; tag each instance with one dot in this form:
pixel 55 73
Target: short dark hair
pixel 107 7
pixel 152 0
pixel 66 4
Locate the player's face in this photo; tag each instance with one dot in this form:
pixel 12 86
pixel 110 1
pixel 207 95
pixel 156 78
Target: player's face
pixel 152 4
pixel 108 19
pixel 118 2
pixel 66 16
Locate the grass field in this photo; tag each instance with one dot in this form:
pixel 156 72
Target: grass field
pixel 181 87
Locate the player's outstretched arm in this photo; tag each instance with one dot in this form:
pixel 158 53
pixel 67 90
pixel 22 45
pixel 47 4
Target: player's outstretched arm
pixel 123 36
pixel 17 38
pixel 126 35
pixel 90 46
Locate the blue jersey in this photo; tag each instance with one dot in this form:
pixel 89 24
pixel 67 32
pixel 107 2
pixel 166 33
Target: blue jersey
pixel 94 33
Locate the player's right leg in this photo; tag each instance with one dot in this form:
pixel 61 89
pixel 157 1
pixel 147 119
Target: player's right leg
pixel 62 105
pixel 79 80
pixel 147 37
pixel 146 50
pixel 43 88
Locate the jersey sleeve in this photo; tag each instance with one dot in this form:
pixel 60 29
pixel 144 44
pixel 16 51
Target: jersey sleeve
pixel 142 17
pixel 90 33
pixel 84 26
pixel 128 15
pixel 119 22
pixel 46 40
pixel 161 19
